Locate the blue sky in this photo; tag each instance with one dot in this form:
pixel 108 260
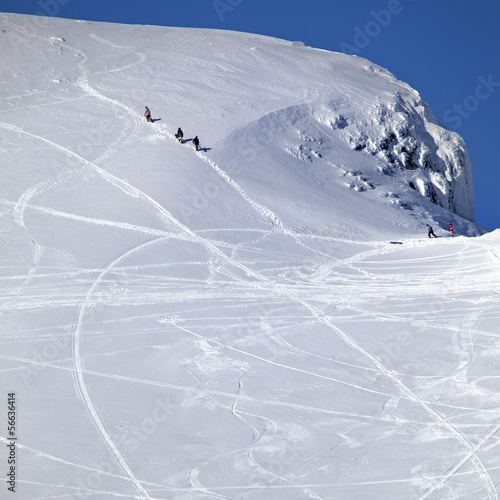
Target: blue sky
pixel 448 50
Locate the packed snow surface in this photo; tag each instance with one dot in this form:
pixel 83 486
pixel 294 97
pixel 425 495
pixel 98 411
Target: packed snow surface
pixel 234 322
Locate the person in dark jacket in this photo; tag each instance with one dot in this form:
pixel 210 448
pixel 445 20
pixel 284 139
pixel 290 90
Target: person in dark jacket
pixel 180 135
pixel 196 143
pixel 430 231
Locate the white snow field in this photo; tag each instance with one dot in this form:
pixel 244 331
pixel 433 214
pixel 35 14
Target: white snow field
pixel 234 323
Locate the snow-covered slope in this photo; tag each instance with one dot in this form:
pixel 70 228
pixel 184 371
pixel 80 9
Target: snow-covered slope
pixel 234 323
pixel 332 117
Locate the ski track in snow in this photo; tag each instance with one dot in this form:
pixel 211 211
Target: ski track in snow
pixel 32 268
pixel 281 365
pixel 467 344
pixel 81 386
pixel 23 201
pixel 471 451
pixel 141 58
pixel 63 461
pixel 87 220
pixel 80 383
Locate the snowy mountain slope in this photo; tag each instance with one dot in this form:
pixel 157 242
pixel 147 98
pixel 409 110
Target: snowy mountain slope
pixel 234 323
pixel 230 83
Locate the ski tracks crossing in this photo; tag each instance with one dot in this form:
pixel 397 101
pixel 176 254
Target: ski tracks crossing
pixel 268 284
pixel 471 450
pixel 261 282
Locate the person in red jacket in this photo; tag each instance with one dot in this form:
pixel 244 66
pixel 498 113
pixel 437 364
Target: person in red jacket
pixel 450 228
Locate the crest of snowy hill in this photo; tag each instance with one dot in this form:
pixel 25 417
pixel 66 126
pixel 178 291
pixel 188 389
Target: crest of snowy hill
pixel 324 131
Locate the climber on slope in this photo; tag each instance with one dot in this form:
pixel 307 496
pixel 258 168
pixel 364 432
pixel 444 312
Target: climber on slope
pixel 180 135
pixel 430 231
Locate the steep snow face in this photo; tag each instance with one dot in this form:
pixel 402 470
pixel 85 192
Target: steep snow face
pixel 403 133
pixel 409 138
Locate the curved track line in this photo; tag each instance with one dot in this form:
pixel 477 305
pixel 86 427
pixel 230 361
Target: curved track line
pixel 78 371
pixel 92 220
pixel 142 57
pixel 83 83
pixel 36 255
pixel 138 122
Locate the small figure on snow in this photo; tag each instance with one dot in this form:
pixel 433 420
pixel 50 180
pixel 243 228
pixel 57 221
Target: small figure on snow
pixel 196 143
pixel 180 135
pixel 147 114
pixel 430 231
pixel 450 229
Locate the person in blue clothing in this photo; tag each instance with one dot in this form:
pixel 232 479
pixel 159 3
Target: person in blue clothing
pixel 430 231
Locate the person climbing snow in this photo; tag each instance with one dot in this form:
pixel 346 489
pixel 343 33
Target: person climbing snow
pixel 196 143
pixel 450 229
pixel 180 135
pixel 147 114
pixel 431 231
